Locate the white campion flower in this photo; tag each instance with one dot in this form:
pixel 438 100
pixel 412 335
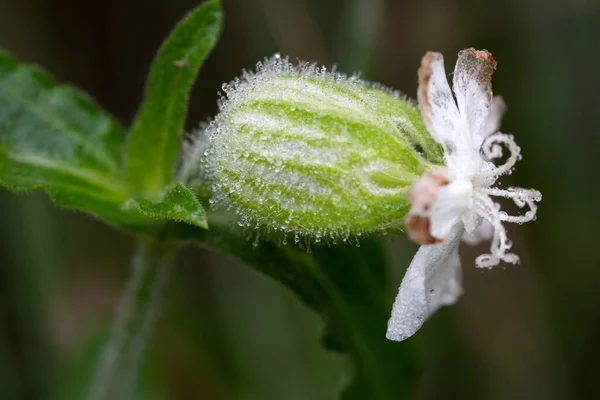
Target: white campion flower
pixel 456 202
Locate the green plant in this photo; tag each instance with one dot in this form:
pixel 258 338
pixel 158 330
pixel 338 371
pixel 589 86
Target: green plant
pixel 262 158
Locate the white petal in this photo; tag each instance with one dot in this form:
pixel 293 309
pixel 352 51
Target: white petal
pixel 494 117
pixel 473 88
pixel 437 104
pixel 432 280
pixel 483 233
pixel 451 204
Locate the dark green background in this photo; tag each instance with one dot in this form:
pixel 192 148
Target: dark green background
pixel 530 331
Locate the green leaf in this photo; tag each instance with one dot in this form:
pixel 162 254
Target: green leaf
pixel 348 287
pixel 54 138
pixel 176 203
pixel 155 140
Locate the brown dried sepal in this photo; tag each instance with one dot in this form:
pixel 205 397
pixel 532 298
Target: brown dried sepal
pixel 478 64
pixel 424 74
pixel 424 192
pixel 417 227
pixel 422 196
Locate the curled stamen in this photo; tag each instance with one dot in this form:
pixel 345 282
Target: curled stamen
pixel 491 149
pixel 489 210
pixel 521 197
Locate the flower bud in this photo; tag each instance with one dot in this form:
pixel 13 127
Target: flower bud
pixel 317 154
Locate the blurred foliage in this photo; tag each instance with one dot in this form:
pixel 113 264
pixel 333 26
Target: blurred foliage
pixel 346 285
pixel 524 332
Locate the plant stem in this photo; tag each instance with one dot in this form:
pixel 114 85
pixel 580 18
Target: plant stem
pixel 116 375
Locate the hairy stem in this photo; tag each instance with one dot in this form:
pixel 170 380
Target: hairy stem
pixel 117 371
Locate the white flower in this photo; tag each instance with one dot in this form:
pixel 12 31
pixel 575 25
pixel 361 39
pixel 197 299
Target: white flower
pixel 456 202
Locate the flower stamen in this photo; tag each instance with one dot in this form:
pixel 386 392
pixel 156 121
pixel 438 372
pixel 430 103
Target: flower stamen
pixel 492 149
pixel 521 197
pixel 490 211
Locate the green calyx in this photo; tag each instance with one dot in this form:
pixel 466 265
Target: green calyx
pixel 315 154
